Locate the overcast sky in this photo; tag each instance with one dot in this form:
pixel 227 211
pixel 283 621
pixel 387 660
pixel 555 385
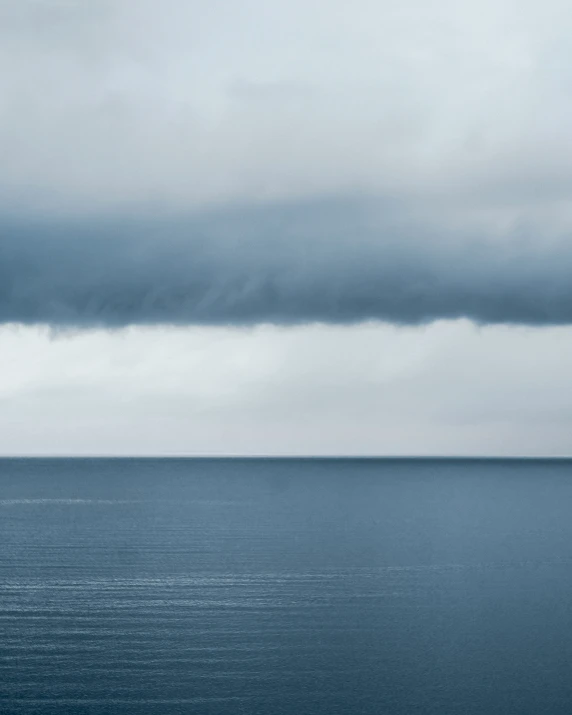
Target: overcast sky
pixel 290 227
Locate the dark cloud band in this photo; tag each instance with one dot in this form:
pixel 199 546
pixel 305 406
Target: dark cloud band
pixel 322 261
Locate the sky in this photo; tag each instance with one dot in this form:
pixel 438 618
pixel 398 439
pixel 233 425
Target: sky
pixel 289 228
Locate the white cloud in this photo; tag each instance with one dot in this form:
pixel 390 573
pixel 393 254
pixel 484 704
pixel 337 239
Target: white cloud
pixel 449 388
pixel 181 102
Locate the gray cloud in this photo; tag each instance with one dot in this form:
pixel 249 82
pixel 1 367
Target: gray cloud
pixel 454 110
pixel 331 261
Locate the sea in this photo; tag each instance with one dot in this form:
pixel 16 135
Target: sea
pixel 285 586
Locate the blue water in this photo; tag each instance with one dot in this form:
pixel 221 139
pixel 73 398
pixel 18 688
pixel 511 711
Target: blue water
pixel 285 587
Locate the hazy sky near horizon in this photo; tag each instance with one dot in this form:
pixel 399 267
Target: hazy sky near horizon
pixel 291 228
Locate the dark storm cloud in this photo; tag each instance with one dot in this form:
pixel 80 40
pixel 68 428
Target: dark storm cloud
pixel 332 261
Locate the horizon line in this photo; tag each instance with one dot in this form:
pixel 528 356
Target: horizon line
pixel 364 457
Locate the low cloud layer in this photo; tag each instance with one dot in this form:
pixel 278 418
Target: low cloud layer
pixel 329 261
pixel 452 115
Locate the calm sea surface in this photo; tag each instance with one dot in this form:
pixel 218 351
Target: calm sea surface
pixel 287 587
